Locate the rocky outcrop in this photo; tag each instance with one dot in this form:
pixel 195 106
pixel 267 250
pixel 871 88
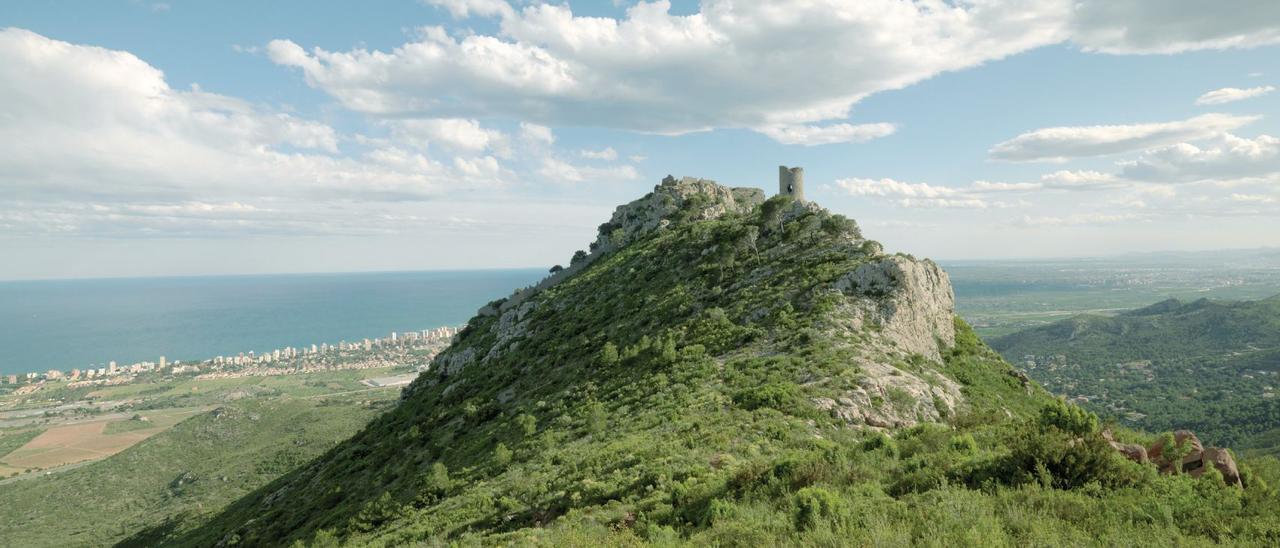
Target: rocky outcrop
pixel 887 397
pixel 1196 462
pixel 896 305
pixel 1131 451
pixel 687 199
pixel 1183 439
pixel 910 300
pixel 699 199
pixel 1220 459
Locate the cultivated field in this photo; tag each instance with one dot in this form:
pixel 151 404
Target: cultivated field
pixel 89 440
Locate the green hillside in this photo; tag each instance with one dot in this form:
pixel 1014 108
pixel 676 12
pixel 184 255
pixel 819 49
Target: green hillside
pixel 172 480
pixel 724 370
pixel 1212 367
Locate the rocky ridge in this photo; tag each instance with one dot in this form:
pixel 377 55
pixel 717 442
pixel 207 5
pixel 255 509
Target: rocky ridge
pixel 907 304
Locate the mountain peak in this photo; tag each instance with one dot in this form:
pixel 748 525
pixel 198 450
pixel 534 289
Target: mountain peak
pixel 698 304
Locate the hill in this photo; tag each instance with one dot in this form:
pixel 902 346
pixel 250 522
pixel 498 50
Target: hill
pixel 172 480
pixel 724 369
pixel 1206 365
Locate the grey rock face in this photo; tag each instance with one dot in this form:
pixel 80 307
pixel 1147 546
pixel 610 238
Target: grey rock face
pixel 655 210
pixel 888 397
pixel 910 300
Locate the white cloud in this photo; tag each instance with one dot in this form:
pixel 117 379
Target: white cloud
pixel 608 153
pixel 810 135
pixel 90 124
pixel 1079 219
pixel 453 133
pixel 637 158
pixel 1058 180
pixel 560 171
pixel 1172 26
pixel 1253 198
pixel 918 195
pixel 1225 158
pixel 779 66
pixel 1056 144
pixel 535 133
pixel 1229 95
pixel 1082 180
pixel 654 71
pixel 478 8
pixel 856 186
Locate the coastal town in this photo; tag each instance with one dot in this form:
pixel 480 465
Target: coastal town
pixel 413 349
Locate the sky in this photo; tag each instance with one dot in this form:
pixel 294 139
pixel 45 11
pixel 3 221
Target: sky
pixel 142 138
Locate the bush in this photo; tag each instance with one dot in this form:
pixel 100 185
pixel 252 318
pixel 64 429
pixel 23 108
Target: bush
pixel 1059 458
pixel 783 397
pixel 609 355
pixel 501 455
pixel 1068 418
pixel 527 423
pixel 434 484
pixel 964 443
pixel 880 441
pixel 814 505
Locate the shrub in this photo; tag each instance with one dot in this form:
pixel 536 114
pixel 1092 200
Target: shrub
pixel 814 505
pixel 1068 418
pixel 528 424
pixel 964 443
pixel 609 355
pixel 434 484
pixel 880 441
pixel 501 455
pixel 783 397
pixel 1060 458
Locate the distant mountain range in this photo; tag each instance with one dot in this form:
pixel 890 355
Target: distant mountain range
pixel 1212 366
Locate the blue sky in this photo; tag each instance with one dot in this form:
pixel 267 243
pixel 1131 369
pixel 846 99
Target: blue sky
pixel 153 138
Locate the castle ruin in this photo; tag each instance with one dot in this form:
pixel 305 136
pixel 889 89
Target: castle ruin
pixel 791 182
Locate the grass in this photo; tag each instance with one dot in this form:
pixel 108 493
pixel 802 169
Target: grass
pixel 173 478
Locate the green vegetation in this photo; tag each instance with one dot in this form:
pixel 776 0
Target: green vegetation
pixel 1212 367
pixel 13 439
pixel 672 386
pixel 1003 297
pixel 136 422
pixel 174 479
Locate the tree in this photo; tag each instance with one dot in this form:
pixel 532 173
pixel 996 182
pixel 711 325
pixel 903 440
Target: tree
pixel 528 424
pixel 609 354
pixel 501 455
pixel 597 418
pixel 435 482
pixel 556 269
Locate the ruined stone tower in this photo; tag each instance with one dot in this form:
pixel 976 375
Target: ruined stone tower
pixel 791 182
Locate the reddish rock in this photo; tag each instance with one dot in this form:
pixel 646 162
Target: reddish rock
pixel 1131 451
pixel 1220 459
pixel 1181 438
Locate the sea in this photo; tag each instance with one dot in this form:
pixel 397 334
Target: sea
pixel 66 324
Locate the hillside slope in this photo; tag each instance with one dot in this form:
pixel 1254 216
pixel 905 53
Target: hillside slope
pixel 721 369
pixel 1210 366
pixel 168 482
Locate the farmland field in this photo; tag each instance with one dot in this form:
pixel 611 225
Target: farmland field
pixel 87 440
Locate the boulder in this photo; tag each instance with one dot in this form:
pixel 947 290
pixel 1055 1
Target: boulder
pixel 1222 460
pixel 1180 438
pixel 1131 451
